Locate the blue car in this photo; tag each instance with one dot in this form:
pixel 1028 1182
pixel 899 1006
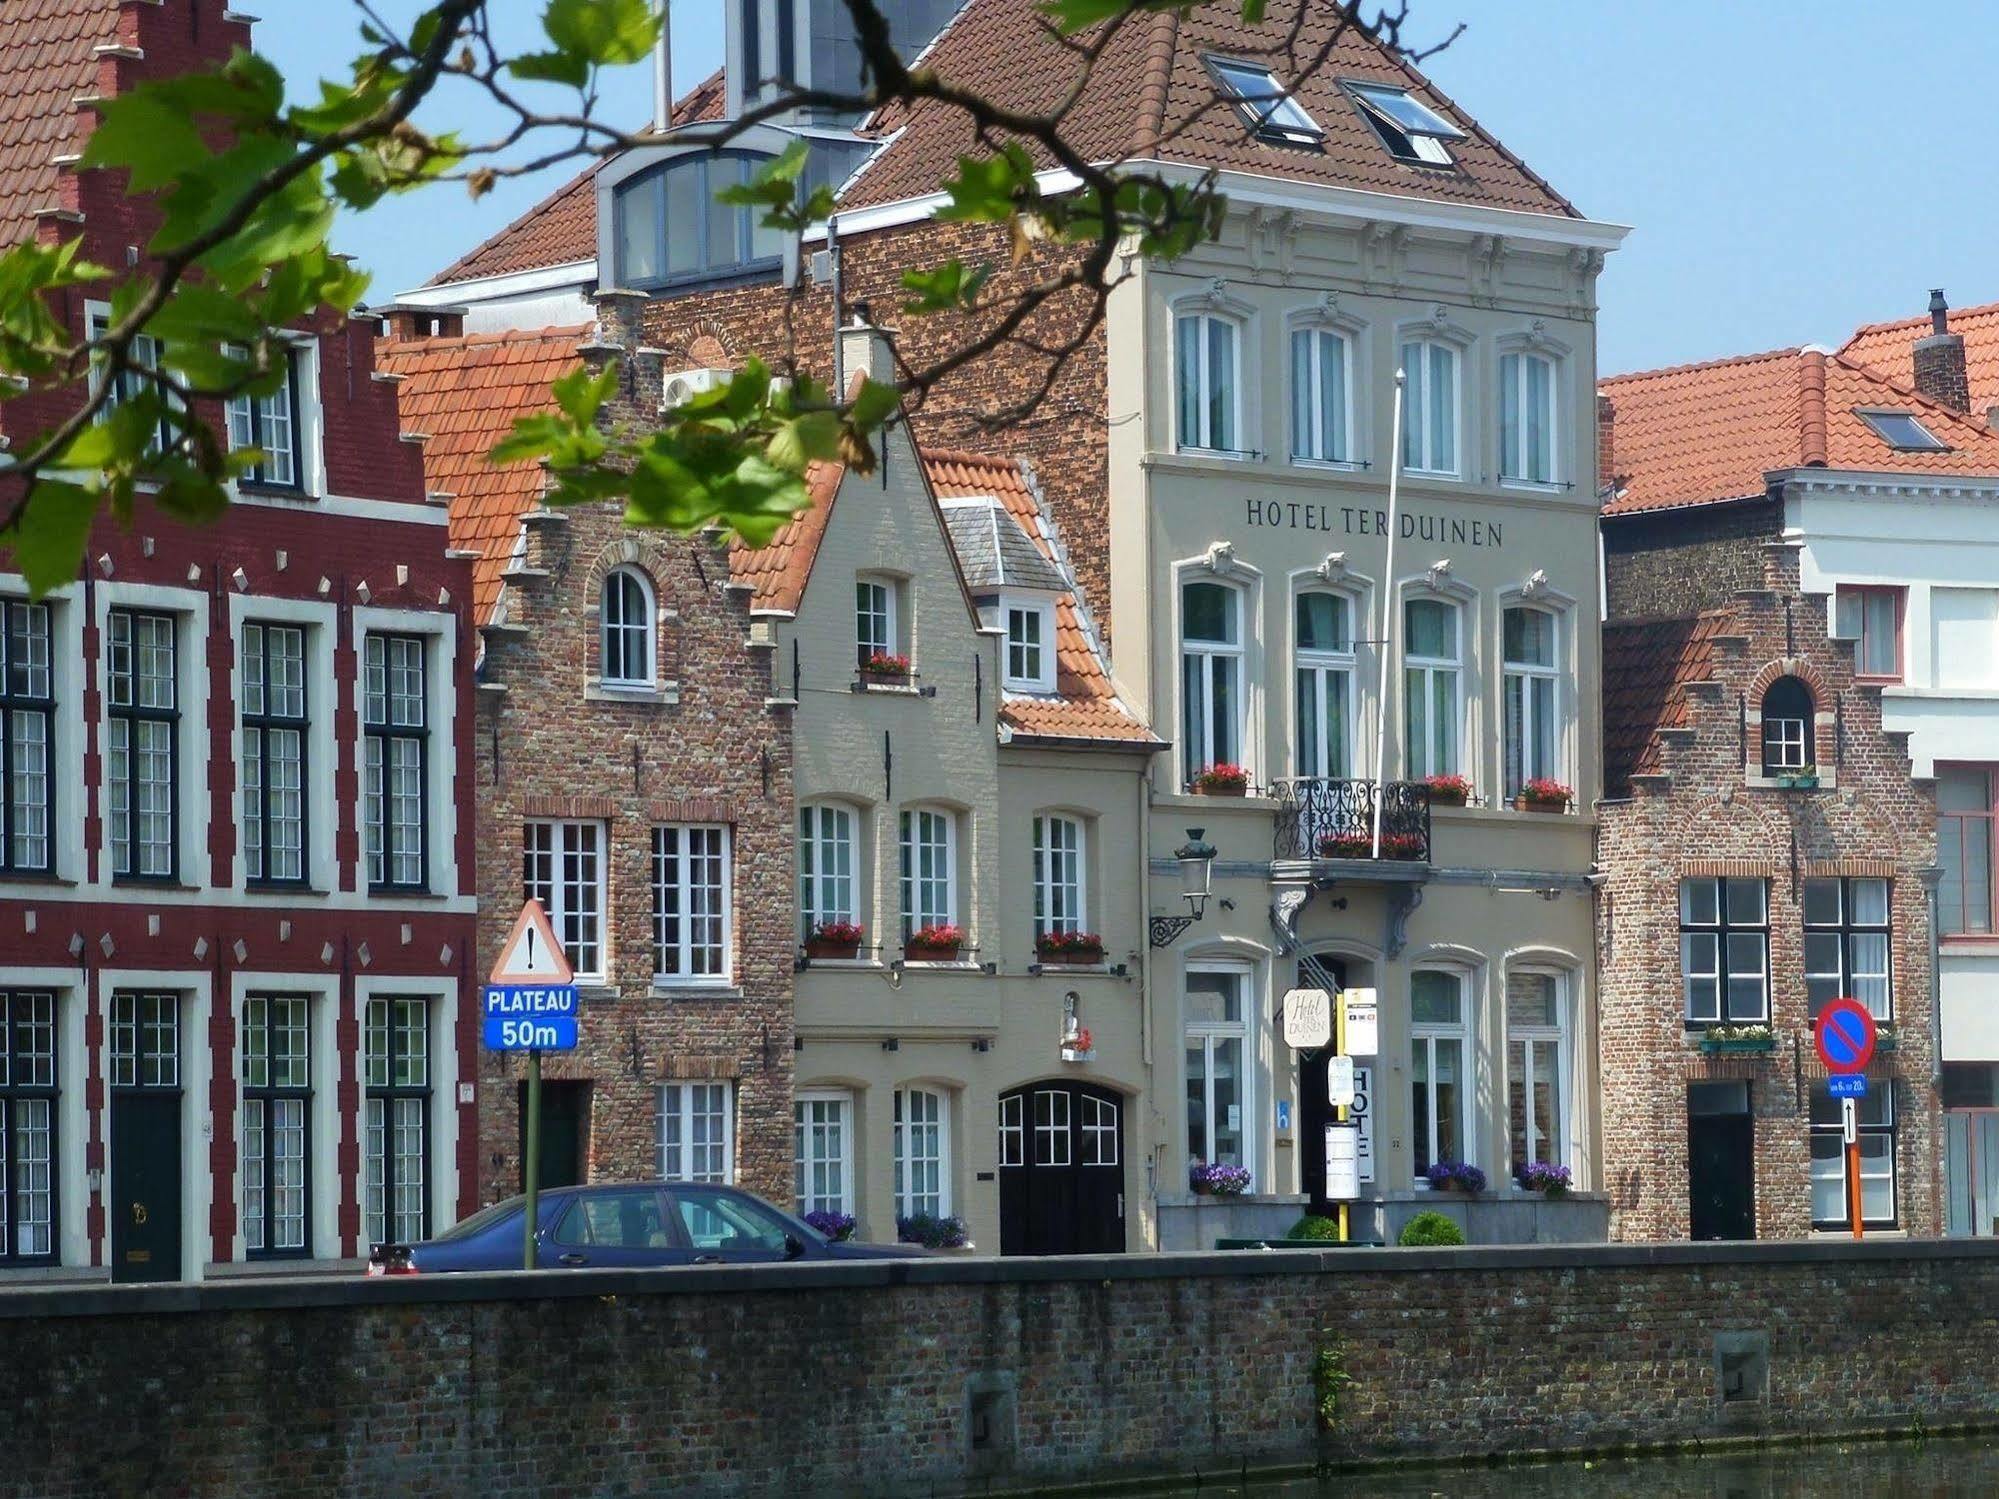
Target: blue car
pixel 627 1225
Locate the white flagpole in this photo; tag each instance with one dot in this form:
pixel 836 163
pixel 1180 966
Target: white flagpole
pixel 1387 646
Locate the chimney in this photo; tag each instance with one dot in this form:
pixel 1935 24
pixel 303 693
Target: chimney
pixel 1939 359
pixel 1606 446
pixel 865 350
pixel 404 323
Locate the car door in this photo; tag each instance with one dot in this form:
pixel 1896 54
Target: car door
pixel 725 1228
pixel 610 1228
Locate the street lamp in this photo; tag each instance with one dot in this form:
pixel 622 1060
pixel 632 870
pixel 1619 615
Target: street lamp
pixel 1197 871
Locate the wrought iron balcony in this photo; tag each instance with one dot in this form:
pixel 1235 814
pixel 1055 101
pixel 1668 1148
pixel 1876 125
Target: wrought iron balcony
pixel 1324 819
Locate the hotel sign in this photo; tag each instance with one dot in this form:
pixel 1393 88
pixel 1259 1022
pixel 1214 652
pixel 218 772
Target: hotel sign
pixel 1361 520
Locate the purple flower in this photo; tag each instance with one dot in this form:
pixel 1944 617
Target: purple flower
pixel 1462 1176
pixel 835 1226
pixel 1544 1176
pixel 1219 1179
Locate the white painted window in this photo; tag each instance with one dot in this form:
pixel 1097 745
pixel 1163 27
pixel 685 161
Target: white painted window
pixel 1211 690
pixel 1432 674
pixel 131 383
pixel 626 629
pixel 929 868
pixel 1967 833
pixel 1537 1068
pixel 822 1135
pixel 691 904
pixel 273 768
pixel 826 886
pixel 1098 1127
pixel 1789 730
pixel 395 1196
pixel 1430 408
pixel 396 719
pixel 1964 637
pixel 1208 375
pixel 697 1132
pixel 1527 421
pixel 1013 1130
pixel 1219 1084
pixel 277 1124
pixel 1030 645
pixel 922 1153
pixel 1533 697
pixel 144 760
pixel 27 725
pixel 28 1099
pixel 562 866
pixel 1058 875
pixel 1321 396
pixel 1725 951
pixel 1871 617
pixel 1876 1119
pixel 273 424
pixel 1439 1069
pixel 1323 679
pixel 1052 1139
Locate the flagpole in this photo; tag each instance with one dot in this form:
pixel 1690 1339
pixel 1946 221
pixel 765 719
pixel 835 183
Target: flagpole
pixel 1388 609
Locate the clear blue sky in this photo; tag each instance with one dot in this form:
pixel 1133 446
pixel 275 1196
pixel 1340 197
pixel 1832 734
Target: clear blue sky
pixel 1789 170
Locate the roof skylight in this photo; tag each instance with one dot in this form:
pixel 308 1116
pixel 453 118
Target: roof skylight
pixel 1900 429
pixel 1267 106
pixel 1411 130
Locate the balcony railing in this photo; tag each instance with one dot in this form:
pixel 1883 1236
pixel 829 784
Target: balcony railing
pixel 1323 819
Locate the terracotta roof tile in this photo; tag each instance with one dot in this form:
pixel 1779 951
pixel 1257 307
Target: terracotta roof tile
pixel 1890 348
pixel 778 570
pixel 46 61
pixel 1647 667
pixel 465 393
pixel 1702 434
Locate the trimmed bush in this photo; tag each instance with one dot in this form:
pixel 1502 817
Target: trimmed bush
pixel 1427 1230
pixel 1312 1226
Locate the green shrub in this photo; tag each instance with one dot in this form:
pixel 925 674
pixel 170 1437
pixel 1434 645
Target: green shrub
pixel 1312 1226
pixel 1428 1229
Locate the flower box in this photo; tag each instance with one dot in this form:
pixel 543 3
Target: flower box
pixel 1448 791
pixel 1079 1054
pixel 933 944
pixel 1079 1045
pixel 931 1231
pixel 1721 1040
pixel 1357 846
pixel 1884 1038
pixel 1806 779
pixel 1218 1180
pixel 1221 780
pixel 834 939
pixel 1456 1176
pixel 1070 949
pixel 1546 1178
pixel 884 670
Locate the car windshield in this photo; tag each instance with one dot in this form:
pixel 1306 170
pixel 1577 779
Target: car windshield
pixel 482 1220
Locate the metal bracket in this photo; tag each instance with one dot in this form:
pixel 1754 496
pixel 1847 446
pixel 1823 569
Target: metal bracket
pixel 1163 930
pixel 1402 901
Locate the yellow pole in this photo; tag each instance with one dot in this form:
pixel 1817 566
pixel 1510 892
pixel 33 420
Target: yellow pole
pixel 1340 1046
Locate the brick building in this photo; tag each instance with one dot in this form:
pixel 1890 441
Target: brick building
pixel 236 921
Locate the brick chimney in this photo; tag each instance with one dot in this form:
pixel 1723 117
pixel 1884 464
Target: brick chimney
pixel 1940 359
pixel 1606 446
pixel 403 322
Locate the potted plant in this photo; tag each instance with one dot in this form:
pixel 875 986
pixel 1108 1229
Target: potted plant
pixel 1073 948
pixel 1884 1035
pixel 1804 778
pixel 1546 1178
pixel 886 668
pixel 931 1231
pixel 834 939
pixel 1543 794
pixel 1221 780
pixel 1218 1180
pixel 1079 1046
pixel 1361 846
pixel 1456 1176
pixel 1738 1038
pixel 839 1227
pixel 1448 791
pixel 933 944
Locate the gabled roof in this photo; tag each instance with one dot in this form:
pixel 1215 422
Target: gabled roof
pixel 47 61
pixel 1648 665
pixel 1890 348
pixel 994 551
pixel 778 571
pixel 463 395
pixel 1702 434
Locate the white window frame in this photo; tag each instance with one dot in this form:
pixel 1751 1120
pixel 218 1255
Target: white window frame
pixel 242 415
pixel 30 710
pixel 1198 748
pixel 255 830
pixel 818 889
pixel 1418 454
pixel 1038 674
pixel 1871 1167
pixel 1424 1036
pixel 1206 1033
pixel 865 646
pixel 677 1101
pixel 1531 1036
pixel 1516 416
pixel 557 894
pixel 644 628
pixel 1853 603
pixel 1060 872
pixel 911 840
pixel 1322 667
pixel 1194 321
pixel 806 1131
pixel 1309 440
pixel 1525 674
pixel 672 869
pixel 906 1198
pixel 1428 670
pixel 181 642
pixel 386 1123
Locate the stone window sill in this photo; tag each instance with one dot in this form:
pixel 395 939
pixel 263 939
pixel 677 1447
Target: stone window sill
pixel 660 694
pixel 667 990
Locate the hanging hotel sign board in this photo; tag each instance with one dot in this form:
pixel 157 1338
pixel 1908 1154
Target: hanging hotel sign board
pixel 1308 1019
pixel 1363 1030
pixel 1361 1112
pixel 1343 1161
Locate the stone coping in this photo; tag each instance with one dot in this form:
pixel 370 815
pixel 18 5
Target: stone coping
pixel 295 1292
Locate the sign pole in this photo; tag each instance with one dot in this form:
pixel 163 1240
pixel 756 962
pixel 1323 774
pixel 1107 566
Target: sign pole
pixel 531 1167
pixel 1340 1046
pixel 1388 614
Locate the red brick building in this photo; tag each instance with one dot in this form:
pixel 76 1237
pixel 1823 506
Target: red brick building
pixel 236 923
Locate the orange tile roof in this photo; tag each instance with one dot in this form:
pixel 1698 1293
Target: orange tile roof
pixel 464 394
pixel 1702 434
pixel 1890 348
pixel 1648 665
pixel 47 60
pixel 777 571
pixel 562 228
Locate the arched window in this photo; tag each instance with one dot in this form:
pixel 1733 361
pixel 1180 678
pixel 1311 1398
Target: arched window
pixel 1527 420
pixel 1439 1043
pixel 1431 407
pixel 1208 373
pixel 1323 676
pixel 1431 706
pixel 826 885
pixel 625 616
pixel 1787 727
pixel 922 1153
pixel 1058 875
pixel 1321 395
pixel 1533 698
pixel 1210 676
pixel 929 839
pixel 670 228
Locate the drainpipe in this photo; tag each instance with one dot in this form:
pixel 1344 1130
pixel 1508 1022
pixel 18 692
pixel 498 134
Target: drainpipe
pixel 1141 796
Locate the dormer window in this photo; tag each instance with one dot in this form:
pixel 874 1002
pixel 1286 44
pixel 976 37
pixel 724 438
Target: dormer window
pixel 1901 431
pixel 1411 130
pixel 1030 644
pixel 670 228
pixel 1266 106
pixel 1787 727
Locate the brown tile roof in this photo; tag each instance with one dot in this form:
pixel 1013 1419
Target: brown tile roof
pixel 1151 95
pixel 46 61
pixel 464 393
pixel 562 228
pixel 1647 666
pixel 1890 348
pixel 1701 434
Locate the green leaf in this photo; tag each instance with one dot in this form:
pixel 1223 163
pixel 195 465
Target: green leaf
pixel 949 287
pixel 582 395
pixel 564 68
pixel 608 32
pixel 48 536
pixel 990 189
pixel 873 404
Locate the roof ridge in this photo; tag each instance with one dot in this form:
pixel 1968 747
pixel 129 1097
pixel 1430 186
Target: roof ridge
pixel 1699 365
pixel 553 333
pixel 1977 309
pixel 1929 403
pixel 1156 78
pixel 533 210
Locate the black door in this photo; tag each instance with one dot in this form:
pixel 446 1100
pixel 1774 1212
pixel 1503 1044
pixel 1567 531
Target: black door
pixel 1721 1162
pixel 565 1125
pixel 1061 1170
pixel 1315 1109
pixel 145 1137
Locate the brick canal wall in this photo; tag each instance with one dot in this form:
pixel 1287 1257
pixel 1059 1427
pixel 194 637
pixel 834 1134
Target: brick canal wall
pixel 951 1376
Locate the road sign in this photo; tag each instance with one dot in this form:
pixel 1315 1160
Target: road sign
pixel 1849 1125
pixel 1844 1036
pixel 532 954
pixel 1339 1081
pixel 530 1017
pixel 1363 1033
pixel 1847 1085
pixel 1342 1160
pixel 1308 1019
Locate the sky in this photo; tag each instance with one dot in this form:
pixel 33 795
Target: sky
pixel 1789 170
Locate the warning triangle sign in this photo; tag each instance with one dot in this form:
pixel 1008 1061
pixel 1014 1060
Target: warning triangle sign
pixel 532 955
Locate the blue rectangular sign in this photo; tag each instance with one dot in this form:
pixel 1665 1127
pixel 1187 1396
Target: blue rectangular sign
pixel 1849 1085
pixel 530 1017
